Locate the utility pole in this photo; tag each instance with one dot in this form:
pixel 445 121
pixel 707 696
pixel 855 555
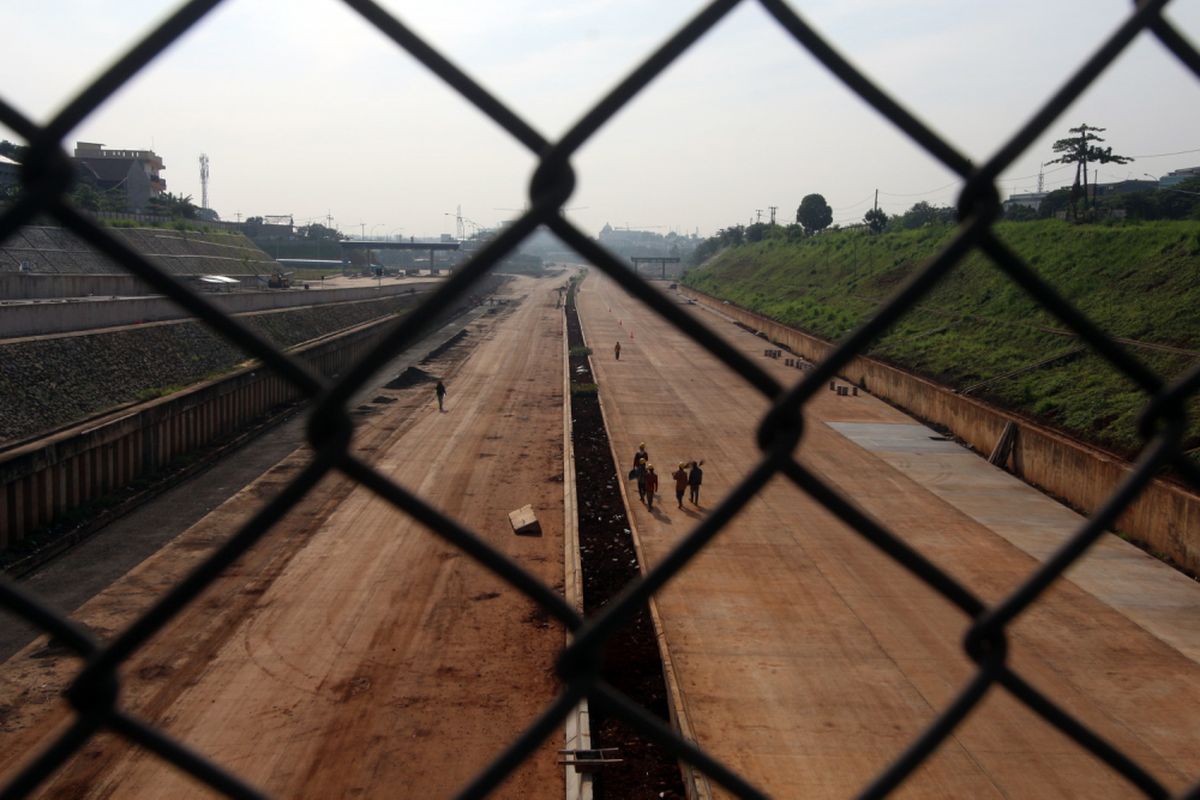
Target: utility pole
pixel 773 210
pixel 757 215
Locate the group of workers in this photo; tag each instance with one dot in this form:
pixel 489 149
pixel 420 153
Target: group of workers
pixel 688 478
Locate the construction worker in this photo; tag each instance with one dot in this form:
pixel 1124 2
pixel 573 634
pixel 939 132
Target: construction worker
pixel 650 482
pixel 440 391
pixel 617 351
pixel 641 454
pixel 681 482
pixel 695 478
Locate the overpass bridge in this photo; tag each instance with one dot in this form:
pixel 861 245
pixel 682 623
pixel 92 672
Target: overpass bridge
pixel 431 247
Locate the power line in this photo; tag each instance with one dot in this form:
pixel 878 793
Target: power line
pixel 1164 155
pixel 919 194
pixel 866 199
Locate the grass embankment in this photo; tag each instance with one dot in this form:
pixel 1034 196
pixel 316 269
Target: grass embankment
pixel 1138 282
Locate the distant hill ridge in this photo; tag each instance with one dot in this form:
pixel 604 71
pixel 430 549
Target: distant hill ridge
pixel 978 331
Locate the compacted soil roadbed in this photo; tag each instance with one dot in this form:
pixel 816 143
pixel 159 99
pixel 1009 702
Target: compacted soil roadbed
pixel 351 652
pixel 808 660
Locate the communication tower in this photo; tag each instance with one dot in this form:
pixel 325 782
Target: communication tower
pixel 203 181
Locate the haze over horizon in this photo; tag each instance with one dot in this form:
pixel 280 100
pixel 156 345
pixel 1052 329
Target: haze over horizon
pixel 305 109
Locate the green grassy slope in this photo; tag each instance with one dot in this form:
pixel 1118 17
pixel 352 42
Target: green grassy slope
pixel 1138 282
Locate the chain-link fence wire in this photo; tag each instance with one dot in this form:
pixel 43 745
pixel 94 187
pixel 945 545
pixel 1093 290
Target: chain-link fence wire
pixel 47 177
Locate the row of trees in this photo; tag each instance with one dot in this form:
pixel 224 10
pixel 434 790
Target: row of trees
pixel 1177 202
pixel 814 215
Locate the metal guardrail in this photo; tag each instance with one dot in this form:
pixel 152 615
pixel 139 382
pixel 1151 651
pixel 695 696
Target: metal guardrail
pixel 47 176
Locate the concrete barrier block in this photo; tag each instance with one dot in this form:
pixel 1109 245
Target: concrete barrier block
pixel 524 522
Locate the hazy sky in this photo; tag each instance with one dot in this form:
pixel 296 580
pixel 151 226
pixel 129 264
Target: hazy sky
pixel 304 109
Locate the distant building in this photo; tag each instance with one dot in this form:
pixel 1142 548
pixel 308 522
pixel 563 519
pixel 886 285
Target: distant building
pixel 1028 200
pixel 10 173
pixel 646 244
pixel 1121 187
pixel 1178 176
pixel 135 172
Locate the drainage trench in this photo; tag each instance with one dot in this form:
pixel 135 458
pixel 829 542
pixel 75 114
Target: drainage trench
pixel 630 659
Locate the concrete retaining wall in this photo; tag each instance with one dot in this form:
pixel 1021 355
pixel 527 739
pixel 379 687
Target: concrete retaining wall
pixel 43 480
pixel 34 286
pixel 81 314
pixel 1165 517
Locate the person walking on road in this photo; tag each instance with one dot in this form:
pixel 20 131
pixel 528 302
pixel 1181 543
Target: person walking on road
pixel 641 454
pixel 651 485
pixel 681 482
pixel 617 351
pixel 639 474
pixel 695 478
pixel 440 391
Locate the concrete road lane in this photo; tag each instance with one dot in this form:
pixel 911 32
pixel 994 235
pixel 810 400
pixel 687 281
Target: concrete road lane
pixel 808 660
pixel 352 653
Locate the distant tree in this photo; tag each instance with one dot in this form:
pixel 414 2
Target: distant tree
pixel 876 219
pixel 1021 214
pixel 757 231
pixel 922 214
pixel 252 226
pixel 85 195
pixel 1082 150
pixel 1054 203
pixel 175 206
pixel 705 250
pixel 1181 201
pixel 814 213
pixel 319 232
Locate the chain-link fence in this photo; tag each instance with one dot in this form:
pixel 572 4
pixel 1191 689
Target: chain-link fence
pixel 47 177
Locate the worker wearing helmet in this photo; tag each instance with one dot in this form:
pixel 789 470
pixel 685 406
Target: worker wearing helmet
pixel 641 454
pixel 681 482
pixel 651 481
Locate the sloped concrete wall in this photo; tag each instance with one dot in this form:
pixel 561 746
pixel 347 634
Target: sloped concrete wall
pixel 46 249
pixel 81 314
pixel 43 479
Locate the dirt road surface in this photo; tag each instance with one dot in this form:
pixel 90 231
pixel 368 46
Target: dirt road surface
pixel 808 660
pixel 351 653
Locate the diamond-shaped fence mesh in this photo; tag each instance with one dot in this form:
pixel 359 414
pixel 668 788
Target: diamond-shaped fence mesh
pixel 47 176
